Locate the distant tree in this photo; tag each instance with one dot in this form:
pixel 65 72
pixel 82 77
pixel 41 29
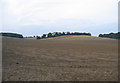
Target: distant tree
pixel 49 35
pixel 59 33
pixel 110 35
pixel 63 33
pixel 44 36
pixel 72 33
pixel 100 35
pixel 12 35
pixel 38 37
pixel 55 34
pixel 68 33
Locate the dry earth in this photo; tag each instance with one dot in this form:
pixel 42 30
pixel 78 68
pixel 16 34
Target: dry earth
pixel 66 58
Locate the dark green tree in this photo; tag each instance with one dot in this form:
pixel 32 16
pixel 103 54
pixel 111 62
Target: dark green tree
pixel 12 35
pixel 38 37
pixel 49 35
pixel 43 36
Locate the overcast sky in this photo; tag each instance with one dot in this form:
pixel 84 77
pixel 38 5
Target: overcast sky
pixel 35 17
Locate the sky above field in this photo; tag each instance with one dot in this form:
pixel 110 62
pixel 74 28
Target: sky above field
pixel 35 17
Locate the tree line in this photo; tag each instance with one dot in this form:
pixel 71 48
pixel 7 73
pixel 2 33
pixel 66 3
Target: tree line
pixel 56 34
pixel 111 35
pixel 12 35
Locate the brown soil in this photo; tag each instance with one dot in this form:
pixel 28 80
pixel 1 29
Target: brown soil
pixel 67 58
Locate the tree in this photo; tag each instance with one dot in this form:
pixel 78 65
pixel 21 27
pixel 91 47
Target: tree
pixel 38 37
pixel 12 35
pixel 49 35
pixel 110 35
pixel 68 33
pixel 59 33
pixel 56 34
pixel 44 36
pixel 63 33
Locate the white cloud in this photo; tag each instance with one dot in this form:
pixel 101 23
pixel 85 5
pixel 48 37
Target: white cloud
pixel 49 12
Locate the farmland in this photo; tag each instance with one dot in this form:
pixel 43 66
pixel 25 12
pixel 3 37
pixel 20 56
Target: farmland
pixel 65 58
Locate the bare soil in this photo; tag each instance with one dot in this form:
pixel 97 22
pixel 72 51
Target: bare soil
pixel 66 58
